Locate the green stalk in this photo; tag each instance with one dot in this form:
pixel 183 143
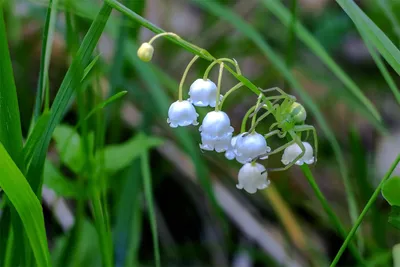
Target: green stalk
pixel 329 211
pixel 364 212
pixel 101 229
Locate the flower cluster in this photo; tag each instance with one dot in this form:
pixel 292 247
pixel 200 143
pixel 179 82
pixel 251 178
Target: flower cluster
pixel 248 146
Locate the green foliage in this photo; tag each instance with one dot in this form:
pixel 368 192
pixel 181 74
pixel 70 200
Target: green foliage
pixel 375 35
pixel 27 205
pixel 70 82
pixel 305 36
pixel 118 157
pixel 394 216
pixel 391 191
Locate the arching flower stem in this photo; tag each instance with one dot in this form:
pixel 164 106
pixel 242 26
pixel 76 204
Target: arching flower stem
pixel 184 77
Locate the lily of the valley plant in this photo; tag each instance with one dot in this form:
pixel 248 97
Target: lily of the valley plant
pixel 248 146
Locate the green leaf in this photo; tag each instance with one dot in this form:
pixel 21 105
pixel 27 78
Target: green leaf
pixel 69 146
pixel 279 10
pixel 117 157
pixel 63 187
pixel 375 35
pixel 27 205
pixel 394 217
pixel 69 84
pixel 391 191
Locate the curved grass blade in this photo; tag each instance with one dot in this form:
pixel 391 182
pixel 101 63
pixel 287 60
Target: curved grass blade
pixel 27 205
pixel 11 138
pixel 48 33
pixel 381 66
pixel 127 216
pixel 246 29
pixel 68 85
pixel 387 9
pixel 375 35
pixel 281 12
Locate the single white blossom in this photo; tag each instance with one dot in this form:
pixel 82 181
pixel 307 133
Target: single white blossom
pixel 203 93
pixel 182 113
pixel 294 150
pixel 252 176
pixel 216 131
pixel 250 146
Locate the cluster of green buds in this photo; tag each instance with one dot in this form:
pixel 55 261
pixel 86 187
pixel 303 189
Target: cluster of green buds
pixel 248 146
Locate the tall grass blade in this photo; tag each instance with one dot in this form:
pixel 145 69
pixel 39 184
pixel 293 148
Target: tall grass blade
pixel 68 85
pixel 11 138
pixel 47 43
pixel 127 215
pixel 27 205
pixel 281 12
pixel 375 35
pixel 381 66
pixel 148 193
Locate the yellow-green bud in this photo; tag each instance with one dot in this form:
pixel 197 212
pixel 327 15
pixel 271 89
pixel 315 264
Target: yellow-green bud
pixel 298 112
pixel 145 52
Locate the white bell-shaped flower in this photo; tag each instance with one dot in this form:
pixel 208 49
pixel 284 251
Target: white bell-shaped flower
pixel 216 131
pixel 294 150
pixel 203 93
pixel 250 146
pixel 252 176
pixel 182 113
pixel 230 153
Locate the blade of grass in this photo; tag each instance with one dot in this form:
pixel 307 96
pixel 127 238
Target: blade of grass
pixel 68 85
pixel 375 35
pixel 246 29
pixel 48 32
pixel 387 9
pixel 11 138
pixel 381 66
pixel 280 11
pixel 27 205
pixel 127 215
pixel 148 193
pixel 364 211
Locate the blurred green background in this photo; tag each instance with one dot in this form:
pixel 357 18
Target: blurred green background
pixel 283 225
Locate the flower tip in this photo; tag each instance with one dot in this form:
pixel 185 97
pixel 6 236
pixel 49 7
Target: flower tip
pixel 145 52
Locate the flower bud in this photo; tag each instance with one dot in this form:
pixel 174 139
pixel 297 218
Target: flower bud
pixel 145 52
pixel 298 112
